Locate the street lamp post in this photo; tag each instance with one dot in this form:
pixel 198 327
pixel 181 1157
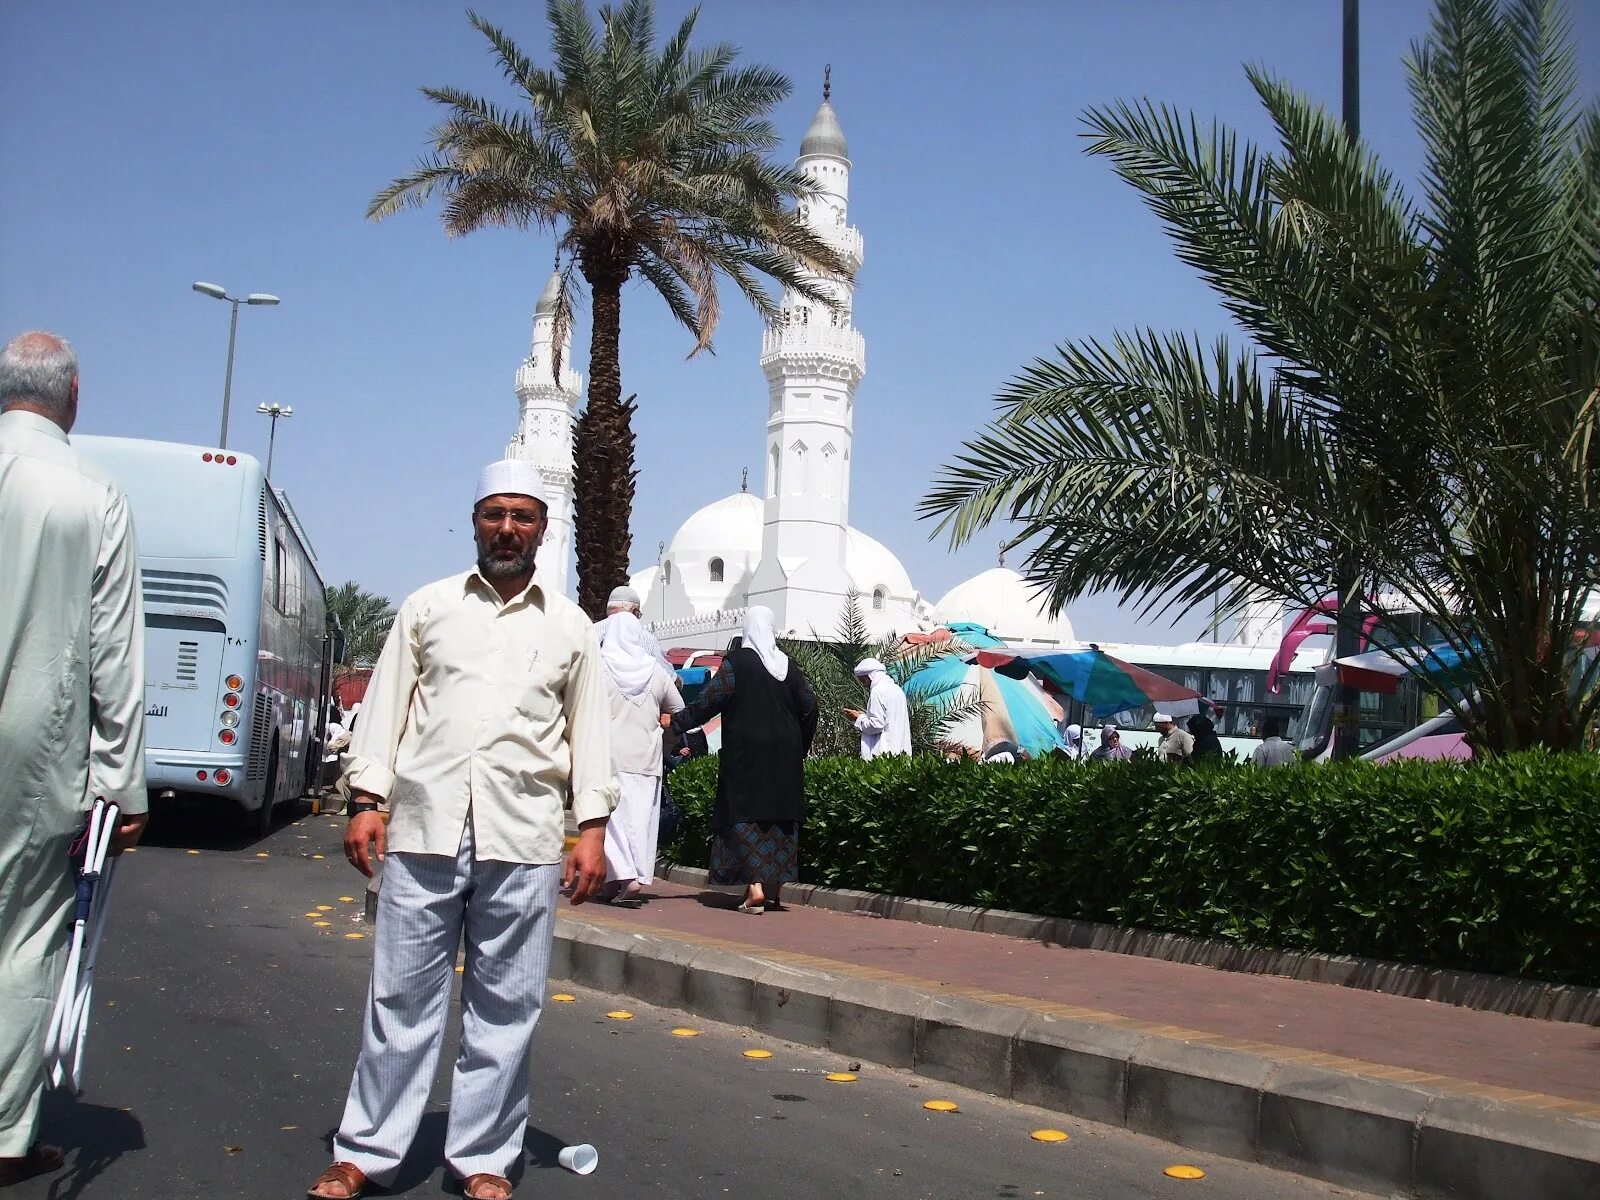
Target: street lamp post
pixel 273 410
pixel 218 293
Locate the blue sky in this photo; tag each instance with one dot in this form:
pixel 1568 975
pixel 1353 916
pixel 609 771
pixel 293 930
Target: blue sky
pixel 150 145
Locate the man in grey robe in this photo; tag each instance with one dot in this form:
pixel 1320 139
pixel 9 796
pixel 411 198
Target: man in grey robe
pixel 71 704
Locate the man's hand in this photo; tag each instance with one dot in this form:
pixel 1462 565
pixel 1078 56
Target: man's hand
pixel 129 830
pixel 586 864
pixel 365 829
pixel 666 721
pixel 852 714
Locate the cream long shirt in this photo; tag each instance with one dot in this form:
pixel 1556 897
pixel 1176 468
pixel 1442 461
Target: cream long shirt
pixel 497 709
pixel 71 640
pixel 636 723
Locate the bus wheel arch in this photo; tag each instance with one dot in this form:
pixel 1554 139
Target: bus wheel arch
pixel 269 789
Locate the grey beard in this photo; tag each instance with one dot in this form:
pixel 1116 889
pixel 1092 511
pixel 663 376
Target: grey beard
pixel 491 569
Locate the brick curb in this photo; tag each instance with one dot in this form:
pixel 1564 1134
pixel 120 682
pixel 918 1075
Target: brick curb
pixel 1466 989
pixel 1357 1124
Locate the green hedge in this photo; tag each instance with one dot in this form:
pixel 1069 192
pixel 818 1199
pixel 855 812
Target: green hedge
pixel 1490 866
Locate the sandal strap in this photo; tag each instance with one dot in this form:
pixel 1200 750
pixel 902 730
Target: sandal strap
pixel 347 1175
pixel 471 1184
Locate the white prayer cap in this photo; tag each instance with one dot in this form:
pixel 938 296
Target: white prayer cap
pixel 512 477
pixel 623 595
pixel 1160 717
pixel 869 666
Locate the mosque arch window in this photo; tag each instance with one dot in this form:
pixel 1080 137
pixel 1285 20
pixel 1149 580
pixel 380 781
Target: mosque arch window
pixel 715 568
pixel 666 571
pixel 773 466
pixel 880 596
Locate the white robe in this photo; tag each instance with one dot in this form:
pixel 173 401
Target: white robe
pixel 885 726
pixel 71 720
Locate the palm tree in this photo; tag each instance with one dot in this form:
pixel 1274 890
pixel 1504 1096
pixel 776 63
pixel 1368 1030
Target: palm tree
pixel 643 162
pixel 365 619
pixel 830 666
pixel 1412 399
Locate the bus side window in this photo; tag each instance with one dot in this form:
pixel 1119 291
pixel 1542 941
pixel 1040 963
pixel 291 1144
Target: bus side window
pixel 280 573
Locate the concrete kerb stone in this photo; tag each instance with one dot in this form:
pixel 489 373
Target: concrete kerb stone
pixel 599 955
pixel 792 1003
pixel 1348 1130
pixel 1074 1066
pixel 874 1020
pixel 1472 1149
pixel 968 1042
pixel 1197 1095
pixel 720 985
pixel 657 970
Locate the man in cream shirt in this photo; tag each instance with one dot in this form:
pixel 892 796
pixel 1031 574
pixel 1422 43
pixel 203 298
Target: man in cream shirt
pixel 486 710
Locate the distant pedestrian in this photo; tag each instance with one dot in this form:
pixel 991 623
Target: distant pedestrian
pixel 1175 745
pixel 486 712
pixel 1110 748
pixel 625 599
pixel 71 705
pixel 641 692
pixel 1072 741
pixel 769 717
pixel 1207 745
pixel 885 724
pixel 1274 751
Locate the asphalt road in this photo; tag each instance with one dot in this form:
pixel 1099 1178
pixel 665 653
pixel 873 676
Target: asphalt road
pixel 226 1028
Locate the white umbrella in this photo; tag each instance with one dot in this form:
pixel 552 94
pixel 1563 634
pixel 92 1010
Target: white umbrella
pixel 69 1023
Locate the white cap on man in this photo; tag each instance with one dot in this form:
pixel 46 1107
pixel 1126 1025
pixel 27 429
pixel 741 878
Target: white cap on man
pixel 623 597
pixel 511 477
pixel 1162 719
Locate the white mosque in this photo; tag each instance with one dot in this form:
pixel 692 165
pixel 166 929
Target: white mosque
pixel 791 546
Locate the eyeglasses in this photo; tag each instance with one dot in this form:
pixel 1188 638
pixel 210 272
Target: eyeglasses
pixel 520 517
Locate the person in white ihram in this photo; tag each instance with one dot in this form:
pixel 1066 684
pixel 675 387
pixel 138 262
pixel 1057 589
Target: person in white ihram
pixel 625 599
pixel 487 708
pixel 642 694
pixel 71 705
pixel 885 724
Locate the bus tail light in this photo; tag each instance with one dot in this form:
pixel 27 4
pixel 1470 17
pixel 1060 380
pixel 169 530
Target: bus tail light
pixel 234 683
pixel 226 737
pixel 223 775
pixel 231 699
pixel 229 719
pixel 201 776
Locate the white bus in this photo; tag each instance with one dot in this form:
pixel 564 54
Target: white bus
pixel 1233 678
pixel 238 651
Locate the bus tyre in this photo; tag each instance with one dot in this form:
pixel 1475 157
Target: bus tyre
pixel 268 794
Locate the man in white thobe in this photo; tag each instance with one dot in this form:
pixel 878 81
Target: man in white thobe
pixel 71 704
pixel 885 724
pixel 486 710
pixel 626 599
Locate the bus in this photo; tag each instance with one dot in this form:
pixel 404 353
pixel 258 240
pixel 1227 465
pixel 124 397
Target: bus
pixel 238 647
pixel 1234 679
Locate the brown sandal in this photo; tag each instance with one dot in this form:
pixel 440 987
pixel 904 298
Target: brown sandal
pixel 345 1175
pixel 471 1184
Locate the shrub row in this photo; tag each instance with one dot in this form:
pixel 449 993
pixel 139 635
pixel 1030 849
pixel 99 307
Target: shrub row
pixel 1489 866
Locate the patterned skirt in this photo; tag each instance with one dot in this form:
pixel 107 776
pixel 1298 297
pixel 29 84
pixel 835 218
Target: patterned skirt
pixel 764 852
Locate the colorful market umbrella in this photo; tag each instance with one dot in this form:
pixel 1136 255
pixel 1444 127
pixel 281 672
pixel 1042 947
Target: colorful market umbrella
pixel 1095 679
pixel 1013 710
pixel 1380 671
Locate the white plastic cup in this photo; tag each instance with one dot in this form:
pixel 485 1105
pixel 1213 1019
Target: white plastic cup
pixel 580 1160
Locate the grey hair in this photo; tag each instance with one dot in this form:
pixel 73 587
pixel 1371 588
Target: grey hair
pixel 38 368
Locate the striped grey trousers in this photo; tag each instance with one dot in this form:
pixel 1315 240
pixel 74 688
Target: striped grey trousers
pixel 508 913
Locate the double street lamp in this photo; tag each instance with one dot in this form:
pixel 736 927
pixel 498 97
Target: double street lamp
pixel 218 293
pixel 273 410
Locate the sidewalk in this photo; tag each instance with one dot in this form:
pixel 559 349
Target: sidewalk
pixel 1370 1090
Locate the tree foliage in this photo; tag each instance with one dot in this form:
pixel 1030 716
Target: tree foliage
pixel 830 666
pixel 644 161
pixel 1416 396
pixel 365 618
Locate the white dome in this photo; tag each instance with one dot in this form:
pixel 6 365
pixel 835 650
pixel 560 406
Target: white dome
pixel 716 551
pixel 1003 603
pixel 872 565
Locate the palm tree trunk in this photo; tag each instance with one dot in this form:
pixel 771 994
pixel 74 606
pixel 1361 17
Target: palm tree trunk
pixel 603 453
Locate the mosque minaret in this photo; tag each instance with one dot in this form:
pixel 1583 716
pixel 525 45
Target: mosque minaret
pixel 549 408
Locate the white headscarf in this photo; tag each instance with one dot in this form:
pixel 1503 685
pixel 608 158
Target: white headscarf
pixel 1075 739
pixel 760 636
pixel 868 667
pixel 623 650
